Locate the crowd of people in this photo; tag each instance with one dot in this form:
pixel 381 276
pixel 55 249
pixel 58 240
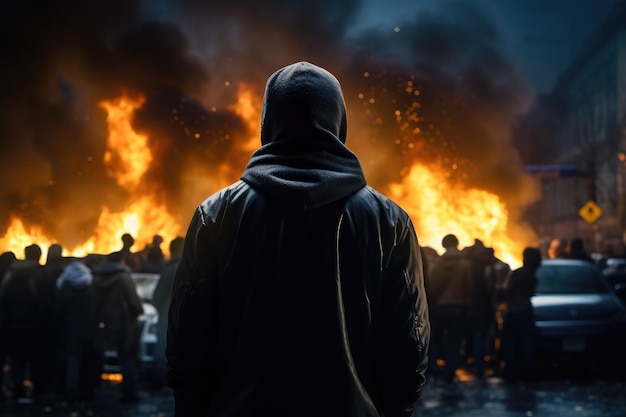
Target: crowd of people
pixel 57 319
pixel 481 311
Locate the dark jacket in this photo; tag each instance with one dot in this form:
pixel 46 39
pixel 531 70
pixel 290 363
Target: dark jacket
pixel 19 307
pixel 482 300
pixel 521 284
pixel 450 279
pixel 116 308
pixel 75 306
pixel 300 289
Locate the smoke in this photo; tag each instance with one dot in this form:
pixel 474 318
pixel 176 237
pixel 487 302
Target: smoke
pixel 61 60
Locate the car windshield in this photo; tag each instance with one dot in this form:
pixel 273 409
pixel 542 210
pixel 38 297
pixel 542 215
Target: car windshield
pixel 145 284
pixel 569 279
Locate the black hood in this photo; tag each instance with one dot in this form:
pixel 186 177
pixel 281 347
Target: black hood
pixel 303 161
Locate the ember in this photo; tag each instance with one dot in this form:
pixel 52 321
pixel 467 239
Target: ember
pixel 128 124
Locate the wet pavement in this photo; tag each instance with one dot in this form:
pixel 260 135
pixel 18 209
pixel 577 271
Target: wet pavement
pixel 578 396
pixel 553 397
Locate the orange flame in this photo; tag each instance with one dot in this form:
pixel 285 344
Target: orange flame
pixel 437 209
pixel 127 158
pixel 249 108
pixel 435 206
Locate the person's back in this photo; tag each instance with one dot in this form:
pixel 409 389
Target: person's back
pixel 300 289
pixel 450 283
pixel 518 319
pixel 116 310
pixel 74 312
pixel 21 315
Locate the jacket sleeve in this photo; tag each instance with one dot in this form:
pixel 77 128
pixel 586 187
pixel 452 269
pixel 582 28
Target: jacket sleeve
pixel 405 327
pixel 191 341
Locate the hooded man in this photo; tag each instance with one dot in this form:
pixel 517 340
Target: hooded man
pixel 300 289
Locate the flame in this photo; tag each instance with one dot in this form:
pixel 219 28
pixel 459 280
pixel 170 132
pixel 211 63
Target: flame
pixel 438 208
pixel 435 206
pixel 127 158
pixel 17 237
pixel 248 107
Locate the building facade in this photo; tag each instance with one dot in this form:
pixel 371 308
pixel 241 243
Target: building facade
pixel 587 131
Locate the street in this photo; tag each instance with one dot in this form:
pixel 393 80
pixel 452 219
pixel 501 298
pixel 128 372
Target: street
pixel 554 396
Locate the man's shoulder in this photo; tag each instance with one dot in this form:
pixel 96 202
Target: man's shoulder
pixel 221 198
pixel 374 198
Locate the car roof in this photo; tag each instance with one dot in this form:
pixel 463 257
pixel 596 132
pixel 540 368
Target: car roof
pixel 579 262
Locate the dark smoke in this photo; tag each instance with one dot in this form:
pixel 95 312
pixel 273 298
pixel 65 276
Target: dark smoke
pixel 61 59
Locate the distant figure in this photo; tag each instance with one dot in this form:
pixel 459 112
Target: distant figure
pixel 75 318
pixel 161 298
pixel 300 290
pixel 153 256
pixel 117 308
pixel 482 303
pixel 576 250
pixel 45 282
pixel 128 258
pixel 20 311
pixel 6 260
pixel 450 293
pixel 519 322
pixel 557 249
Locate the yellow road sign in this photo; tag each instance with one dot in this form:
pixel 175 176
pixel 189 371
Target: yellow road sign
pixel 590 212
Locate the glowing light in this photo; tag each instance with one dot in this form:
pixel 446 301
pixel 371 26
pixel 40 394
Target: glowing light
pixel 438 208
pixel 127 158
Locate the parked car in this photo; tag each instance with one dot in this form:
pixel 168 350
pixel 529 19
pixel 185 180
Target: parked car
pixel 578 316
pixel 145 284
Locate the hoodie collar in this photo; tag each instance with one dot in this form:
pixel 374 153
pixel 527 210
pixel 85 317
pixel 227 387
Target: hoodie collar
pixel 303 161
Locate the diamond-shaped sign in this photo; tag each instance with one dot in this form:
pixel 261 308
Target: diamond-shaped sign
pixel 590 212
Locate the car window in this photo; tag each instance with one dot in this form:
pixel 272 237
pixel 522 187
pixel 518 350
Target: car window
pixel 145 284
pixel 569 279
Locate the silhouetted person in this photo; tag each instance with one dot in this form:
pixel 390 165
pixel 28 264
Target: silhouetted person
pixel 161 298
pixel 130 259
pixel 6 260
pixel 300 289
pixel 450 281
pixel 576 250
pixel 75 318
pixel 117 308
pixel 21 313
pixel 557 249
pixel 154 257
pixel 519 321
pixel 482 303
pixel 45 287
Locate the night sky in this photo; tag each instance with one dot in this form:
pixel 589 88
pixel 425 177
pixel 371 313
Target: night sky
pixel 457 73
pixel 540 36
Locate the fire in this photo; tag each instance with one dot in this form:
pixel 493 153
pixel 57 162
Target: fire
pixel 435 206
pixel 17 237
pixel 127 159
pixel 438 208
pixel 127 156
pixel 249 108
